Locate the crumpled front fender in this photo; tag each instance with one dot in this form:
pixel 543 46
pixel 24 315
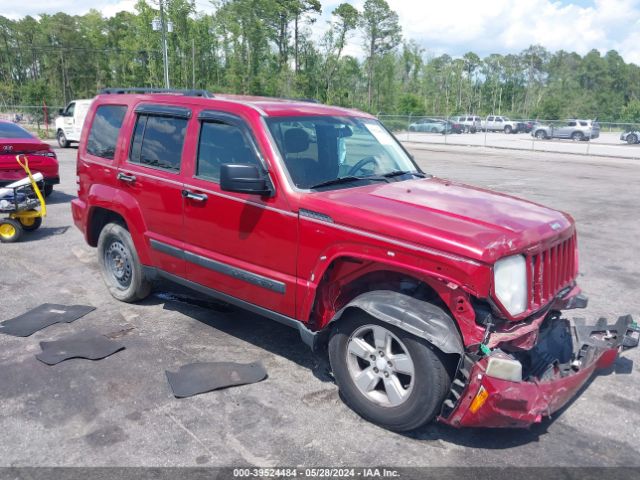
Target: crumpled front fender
pixel 419 318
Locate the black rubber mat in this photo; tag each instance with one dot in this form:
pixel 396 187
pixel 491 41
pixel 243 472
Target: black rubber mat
pixel 94 347
pixel 41 317
pixel 196 378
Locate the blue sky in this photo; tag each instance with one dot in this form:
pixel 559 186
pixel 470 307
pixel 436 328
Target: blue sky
pixel 455 27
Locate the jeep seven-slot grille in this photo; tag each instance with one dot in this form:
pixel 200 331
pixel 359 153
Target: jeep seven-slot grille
pixel 550 271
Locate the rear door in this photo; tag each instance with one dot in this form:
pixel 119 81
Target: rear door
pixel 238 244
pixel 490 123
pixel 151 176
pixel 566 129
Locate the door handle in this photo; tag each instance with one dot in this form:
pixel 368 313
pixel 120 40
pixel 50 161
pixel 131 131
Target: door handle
pixel 196 197
pixel 126 178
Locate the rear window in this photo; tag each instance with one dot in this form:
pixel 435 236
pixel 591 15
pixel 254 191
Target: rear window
pixel 157 142
pixel 103 136
pixel 11 130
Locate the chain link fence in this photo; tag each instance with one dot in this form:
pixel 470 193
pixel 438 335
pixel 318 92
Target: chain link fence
pixel 35 118
pixel 611 138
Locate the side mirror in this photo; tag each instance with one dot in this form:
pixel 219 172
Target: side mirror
pixel 61 112
pixel 242 178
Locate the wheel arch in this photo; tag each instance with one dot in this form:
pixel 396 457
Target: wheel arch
pixel 417 317
pixel 105 209
pixel 99 217
pixel 350 283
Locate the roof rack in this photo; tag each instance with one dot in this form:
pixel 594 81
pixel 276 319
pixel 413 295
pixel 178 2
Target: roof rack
pixel 171 91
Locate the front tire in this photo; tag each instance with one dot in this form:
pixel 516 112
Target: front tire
pixel 62 139
pixel 632 139
pixel 508 129
pixel 387 375
pixel 120 266
pixel 540 135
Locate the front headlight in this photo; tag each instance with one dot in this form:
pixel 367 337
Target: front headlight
pixel 510 283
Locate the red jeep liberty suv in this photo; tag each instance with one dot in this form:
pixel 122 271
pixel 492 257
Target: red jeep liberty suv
pixel 433 299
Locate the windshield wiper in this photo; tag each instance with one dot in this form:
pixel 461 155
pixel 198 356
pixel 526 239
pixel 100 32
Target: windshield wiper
pixel 397 173
pixel 347 179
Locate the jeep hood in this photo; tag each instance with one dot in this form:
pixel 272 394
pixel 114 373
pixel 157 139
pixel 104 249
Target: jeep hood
pixel 436 213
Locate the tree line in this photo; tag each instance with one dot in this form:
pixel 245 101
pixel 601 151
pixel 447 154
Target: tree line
pixel 267 47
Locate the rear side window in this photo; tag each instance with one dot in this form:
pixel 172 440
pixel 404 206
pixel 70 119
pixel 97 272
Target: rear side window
pixel 222 143
pixel 11 130
pixel 103 136
pixel 490 119
pixel 157 142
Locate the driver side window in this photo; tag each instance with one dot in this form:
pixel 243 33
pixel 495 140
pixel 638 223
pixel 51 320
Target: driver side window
pixel 70 109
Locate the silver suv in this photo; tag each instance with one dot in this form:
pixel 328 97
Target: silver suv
pixel 630 137
pixel 573 128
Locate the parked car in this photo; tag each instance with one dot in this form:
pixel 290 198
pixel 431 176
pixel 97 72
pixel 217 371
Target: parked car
pixel 16 140
pixel 577 130
pixel 451 126
pixel 69 122
pixel 431 125
pixel 471 123
pixel 432 299
pixel 631 137
pixel 497 123
pixel 528 125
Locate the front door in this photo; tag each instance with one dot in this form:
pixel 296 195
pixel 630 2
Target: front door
pixel 151 177
pixel 238 244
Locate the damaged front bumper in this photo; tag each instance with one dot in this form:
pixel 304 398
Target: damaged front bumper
pixel 519 388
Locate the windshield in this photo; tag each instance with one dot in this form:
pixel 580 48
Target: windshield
pixel 319 150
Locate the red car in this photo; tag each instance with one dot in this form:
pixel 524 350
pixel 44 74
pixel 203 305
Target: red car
pixel 432 299
pixel 16 140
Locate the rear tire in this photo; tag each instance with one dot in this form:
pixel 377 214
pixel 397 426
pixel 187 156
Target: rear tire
pixel 508 129
pixel 10 230
pixel 48 190
pixel 120 266
pixel 62 139
pixel 369 382
pixel 632 139
pixel 30 224
pixel 577 136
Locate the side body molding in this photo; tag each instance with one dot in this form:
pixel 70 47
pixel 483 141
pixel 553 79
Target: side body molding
pixel 415 316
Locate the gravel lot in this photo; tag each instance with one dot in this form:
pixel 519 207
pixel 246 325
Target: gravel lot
pixel 120 411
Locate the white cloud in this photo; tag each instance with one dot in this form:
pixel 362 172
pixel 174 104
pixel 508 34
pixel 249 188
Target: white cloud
pixel 503 26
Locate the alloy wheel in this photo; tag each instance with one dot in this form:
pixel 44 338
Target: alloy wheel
pixel 380 365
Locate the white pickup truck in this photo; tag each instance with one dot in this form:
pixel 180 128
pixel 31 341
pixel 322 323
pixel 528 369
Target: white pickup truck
pixel 69 122
pixel 498 123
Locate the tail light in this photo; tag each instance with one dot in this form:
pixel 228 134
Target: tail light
pixel 46 153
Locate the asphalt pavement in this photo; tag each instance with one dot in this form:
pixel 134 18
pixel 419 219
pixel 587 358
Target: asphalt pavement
pixel 120 411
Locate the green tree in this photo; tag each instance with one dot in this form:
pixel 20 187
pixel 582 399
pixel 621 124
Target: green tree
pixel 381 32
